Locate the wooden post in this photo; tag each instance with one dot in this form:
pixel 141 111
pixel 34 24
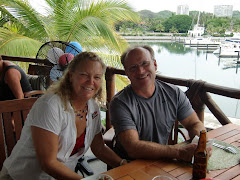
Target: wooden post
pixel 110 90
pixel 214 108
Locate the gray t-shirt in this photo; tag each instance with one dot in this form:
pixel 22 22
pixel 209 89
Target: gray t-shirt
pixel 154 117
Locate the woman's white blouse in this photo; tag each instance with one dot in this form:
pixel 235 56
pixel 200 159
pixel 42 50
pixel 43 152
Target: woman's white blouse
pixel 48 113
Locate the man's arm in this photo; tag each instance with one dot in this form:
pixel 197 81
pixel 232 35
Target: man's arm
pixel 139 149
pixel 193 125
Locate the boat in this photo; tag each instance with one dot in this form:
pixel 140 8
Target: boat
pixel 235 38
pixel 197 39
pixel 228 49
pixel 201 41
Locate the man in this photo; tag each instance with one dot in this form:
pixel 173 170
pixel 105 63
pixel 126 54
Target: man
pixel 144 112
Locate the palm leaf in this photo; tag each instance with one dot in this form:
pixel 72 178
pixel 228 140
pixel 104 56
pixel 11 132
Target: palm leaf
pixel 114 61
pixel 29 18
pixel 17 45
pixel 89 20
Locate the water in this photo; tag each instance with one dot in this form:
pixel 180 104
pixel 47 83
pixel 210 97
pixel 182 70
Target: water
pixel 177 60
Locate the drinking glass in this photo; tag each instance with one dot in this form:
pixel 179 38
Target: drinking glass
pixel 161 177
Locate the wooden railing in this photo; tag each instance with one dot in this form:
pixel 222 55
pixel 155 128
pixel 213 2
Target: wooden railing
pixel 198 91
pixel 26 59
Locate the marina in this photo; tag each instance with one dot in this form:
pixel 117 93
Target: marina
pixel 228 49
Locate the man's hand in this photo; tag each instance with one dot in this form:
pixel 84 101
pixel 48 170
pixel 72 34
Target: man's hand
pixel 209 151
pixel 185 152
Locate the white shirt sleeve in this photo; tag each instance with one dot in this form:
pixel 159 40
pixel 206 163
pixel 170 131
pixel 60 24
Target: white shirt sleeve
pixel 46 115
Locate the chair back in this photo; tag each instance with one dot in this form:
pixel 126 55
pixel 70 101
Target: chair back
pixel 12 112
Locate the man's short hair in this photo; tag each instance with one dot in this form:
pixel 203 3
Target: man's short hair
pixel 125 54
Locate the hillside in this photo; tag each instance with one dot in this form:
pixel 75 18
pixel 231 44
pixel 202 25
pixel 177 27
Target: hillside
pixel 166 14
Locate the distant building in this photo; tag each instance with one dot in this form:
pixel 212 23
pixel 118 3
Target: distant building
pixel 183 10
pixel 223 10
pixel 197 31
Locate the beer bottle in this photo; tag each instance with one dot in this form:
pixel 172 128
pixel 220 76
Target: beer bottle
pixel 200 158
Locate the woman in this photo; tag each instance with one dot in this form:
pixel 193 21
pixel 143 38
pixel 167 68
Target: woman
pixel 62 125
pixel 13 81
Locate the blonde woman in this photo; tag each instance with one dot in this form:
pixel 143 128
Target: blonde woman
pixel 62 125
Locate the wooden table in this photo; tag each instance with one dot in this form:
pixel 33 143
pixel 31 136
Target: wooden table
pixel 147 169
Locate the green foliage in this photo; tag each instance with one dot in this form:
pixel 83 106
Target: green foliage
pixel 179 22
pixel 157 22
pixel 165 14
pixel 236 15
pixel 219 25
pixel 218 22
pixel 147 14
pixel 90 23
pixel 160 15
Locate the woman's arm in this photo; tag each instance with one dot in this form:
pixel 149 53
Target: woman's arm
pixel 46 146
pixel 104 153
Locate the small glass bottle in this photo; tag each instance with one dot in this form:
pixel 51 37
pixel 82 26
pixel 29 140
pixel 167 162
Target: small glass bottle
pixel 200 158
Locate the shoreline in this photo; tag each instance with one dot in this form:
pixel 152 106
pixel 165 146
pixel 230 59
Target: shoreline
pixel 168 38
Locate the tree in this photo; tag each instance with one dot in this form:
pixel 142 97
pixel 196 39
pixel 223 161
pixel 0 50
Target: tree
pixel 180 22
pixel 236 26
pixel 160 27
pixel 173 30
pixel 219 24
pixel 210 29
pixel 91 23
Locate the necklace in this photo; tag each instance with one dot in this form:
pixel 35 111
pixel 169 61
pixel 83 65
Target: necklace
pixel 80 113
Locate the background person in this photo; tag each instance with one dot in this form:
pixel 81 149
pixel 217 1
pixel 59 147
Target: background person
pixel 62 125
pixel 144 112
pixel 13 81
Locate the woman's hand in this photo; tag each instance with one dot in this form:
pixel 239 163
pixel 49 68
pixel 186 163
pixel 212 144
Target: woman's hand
pixel 104 153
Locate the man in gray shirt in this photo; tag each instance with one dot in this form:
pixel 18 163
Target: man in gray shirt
pixel 144 112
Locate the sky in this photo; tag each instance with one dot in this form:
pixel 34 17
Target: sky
pixel 171 5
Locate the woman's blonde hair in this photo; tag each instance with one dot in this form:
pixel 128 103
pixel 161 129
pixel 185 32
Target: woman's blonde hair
pixel 63 87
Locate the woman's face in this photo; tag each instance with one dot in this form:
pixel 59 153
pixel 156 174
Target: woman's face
pixel 86 80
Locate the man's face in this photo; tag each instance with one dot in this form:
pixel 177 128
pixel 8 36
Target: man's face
pixel 140 68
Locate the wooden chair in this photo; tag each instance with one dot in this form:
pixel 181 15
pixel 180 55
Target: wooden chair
pixel 16 110
pixel 42 72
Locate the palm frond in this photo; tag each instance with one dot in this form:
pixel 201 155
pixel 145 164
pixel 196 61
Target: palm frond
pixel 112 60
pixel 89 20
pixel 28 17
pixel 121 82
pixel 17 45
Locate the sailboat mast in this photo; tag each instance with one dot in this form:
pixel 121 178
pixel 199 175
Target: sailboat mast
pixel 198 18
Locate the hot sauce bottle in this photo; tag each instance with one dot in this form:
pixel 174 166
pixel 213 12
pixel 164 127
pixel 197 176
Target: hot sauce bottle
pixel 200 158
